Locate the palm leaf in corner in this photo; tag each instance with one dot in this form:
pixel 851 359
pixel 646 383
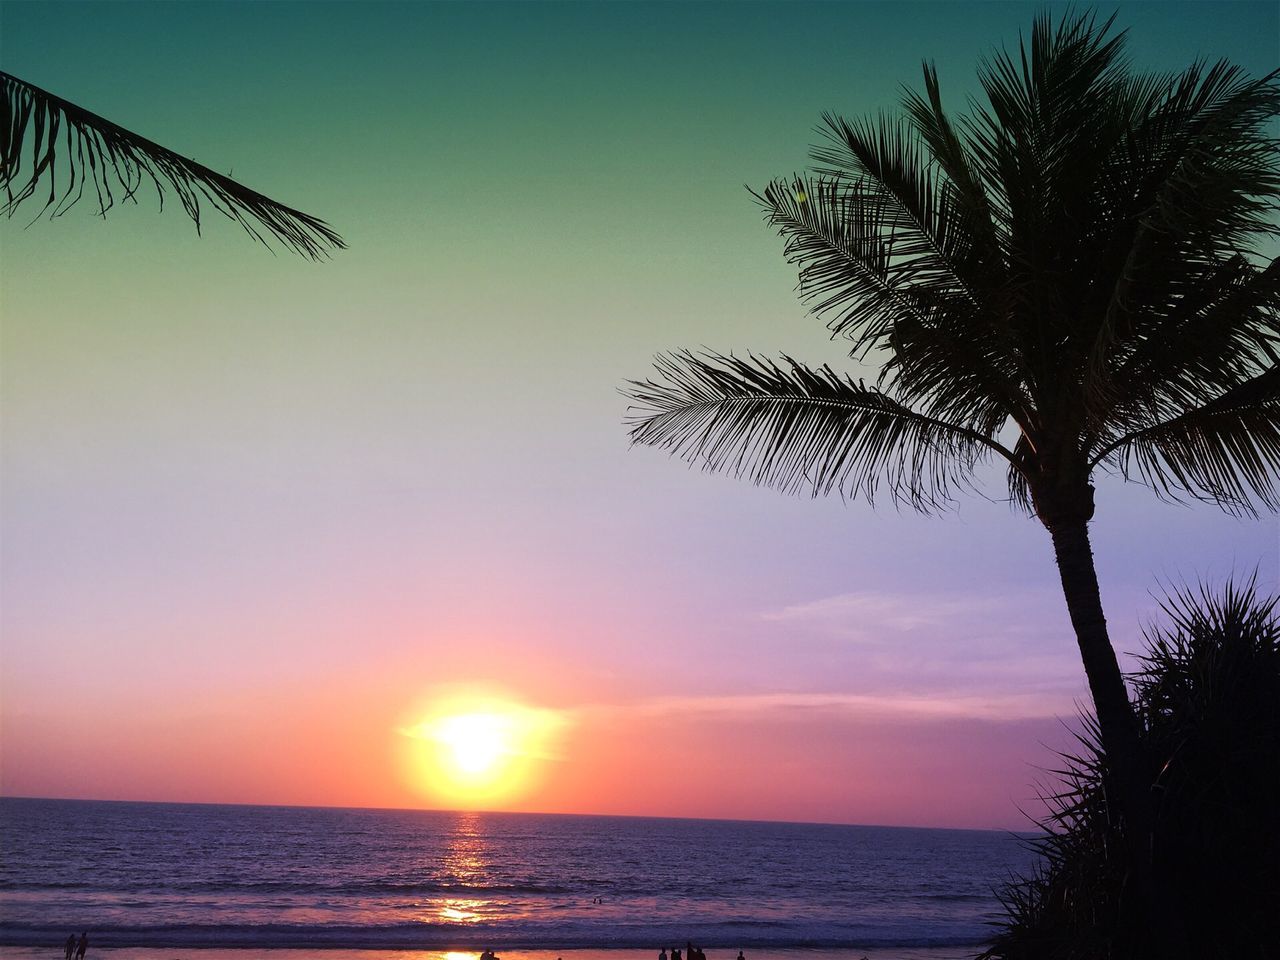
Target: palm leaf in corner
pixel 51 147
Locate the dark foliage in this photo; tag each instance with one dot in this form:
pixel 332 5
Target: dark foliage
pixel 1208 697
pixel 1071 276
pixel 59 150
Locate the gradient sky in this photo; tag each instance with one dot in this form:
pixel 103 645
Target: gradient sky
pixel 257 511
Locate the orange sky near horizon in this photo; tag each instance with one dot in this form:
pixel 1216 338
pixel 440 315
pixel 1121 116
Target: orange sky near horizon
pixel 838 763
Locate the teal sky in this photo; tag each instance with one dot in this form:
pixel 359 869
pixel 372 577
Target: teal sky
pixel 254 505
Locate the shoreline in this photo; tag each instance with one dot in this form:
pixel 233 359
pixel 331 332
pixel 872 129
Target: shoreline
pixel 870 952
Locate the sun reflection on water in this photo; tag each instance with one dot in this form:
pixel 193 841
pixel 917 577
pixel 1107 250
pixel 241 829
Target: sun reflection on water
pixel 465 864
pixel 460 911
pixel 465 858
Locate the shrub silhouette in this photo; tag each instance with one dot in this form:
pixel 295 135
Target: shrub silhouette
pixel 1208 700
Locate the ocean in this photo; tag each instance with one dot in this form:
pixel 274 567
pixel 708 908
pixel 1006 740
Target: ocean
pixel 150 875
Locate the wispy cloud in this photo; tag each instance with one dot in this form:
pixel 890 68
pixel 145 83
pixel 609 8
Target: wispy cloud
pixel 868 615
pixel 992 634
pixel 941 706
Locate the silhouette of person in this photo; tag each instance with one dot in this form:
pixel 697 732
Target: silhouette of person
pixel 662 954
pixel 675 953
pixel 71 947
pixel 740 956
pixel 83 946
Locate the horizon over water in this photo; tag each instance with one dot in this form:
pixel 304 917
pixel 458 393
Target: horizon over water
pixel 239 876
pixel 500 813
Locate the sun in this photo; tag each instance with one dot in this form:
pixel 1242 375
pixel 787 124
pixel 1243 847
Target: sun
pixel 473 751
pixel 477 744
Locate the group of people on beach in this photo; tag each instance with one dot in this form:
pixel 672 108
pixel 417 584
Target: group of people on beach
pixel 690 953
pixel 77 948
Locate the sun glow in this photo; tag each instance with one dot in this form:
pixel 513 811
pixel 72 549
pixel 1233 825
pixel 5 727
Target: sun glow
pixel 477 743
pixel 473 751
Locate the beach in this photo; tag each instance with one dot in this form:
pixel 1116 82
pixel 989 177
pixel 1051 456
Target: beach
pixel 162 953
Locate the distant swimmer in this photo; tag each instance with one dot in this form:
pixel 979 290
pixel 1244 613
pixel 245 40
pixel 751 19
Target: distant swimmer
pixel 83 946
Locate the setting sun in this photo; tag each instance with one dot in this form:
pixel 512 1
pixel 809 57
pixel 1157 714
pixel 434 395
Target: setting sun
pixel 477 742
pixel 474 750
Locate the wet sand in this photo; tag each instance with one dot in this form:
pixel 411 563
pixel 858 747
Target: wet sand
pixel 309 953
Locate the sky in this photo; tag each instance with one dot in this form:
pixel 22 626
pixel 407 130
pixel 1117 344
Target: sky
pixel 259 517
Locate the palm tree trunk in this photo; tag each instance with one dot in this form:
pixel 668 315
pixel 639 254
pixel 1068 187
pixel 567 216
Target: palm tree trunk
pixel 1129 787
pixel 1116 720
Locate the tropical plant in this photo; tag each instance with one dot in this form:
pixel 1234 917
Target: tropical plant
pixel 48 142
pixel 1208 702
pixel 1068 279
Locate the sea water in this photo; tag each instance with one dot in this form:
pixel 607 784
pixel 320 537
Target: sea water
pixel 211 876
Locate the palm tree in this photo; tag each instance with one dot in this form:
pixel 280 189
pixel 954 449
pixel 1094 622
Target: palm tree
pixel 1067 280
pixel 47 142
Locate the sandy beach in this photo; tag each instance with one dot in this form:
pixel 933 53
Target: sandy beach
pixel 175 953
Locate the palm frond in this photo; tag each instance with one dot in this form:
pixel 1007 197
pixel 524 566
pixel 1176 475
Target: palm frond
pixel 1019 489
pixel 841 234
pixel 1226 451
pixel 921 212
pixel 881 254
pixel 1183 201
pixel 50 142
pixel 799 429
pixel 1039 131
pixel 1221 330
pixel 947 149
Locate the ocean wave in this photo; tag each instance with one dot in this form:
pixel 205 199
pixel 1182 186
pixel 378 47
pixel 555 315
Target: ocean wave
pixel 730 934
pixel 361 887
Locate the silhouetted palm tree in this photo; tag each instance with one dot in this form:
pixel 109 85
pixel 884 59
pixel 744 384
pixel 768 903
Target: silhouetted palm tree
pixel 1068 279
pixel 47 142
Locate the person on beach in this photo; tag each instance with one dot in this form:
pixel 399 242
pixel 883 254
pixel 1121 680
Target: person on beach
pixel 740 956
pixel 83 947
pixel 71 947
pixel 675 953
pixel 662 954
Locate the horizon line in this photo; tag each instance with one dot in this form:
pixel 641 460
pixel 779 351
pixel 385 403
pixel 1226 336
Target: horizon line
pixel 510 813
